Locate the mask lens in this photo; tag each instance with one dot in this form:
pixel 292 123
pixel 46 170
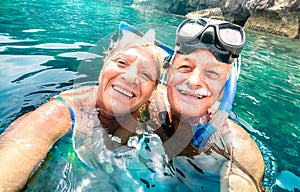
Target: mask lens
pixel 191 29
pixel 231 36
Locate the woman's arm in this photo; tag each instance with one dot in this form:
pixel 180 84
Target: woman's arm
pixel 25 143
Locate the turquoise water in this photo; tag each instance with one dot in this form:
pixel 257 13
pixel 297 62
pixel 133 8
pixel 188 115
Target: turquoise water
pixel 47 46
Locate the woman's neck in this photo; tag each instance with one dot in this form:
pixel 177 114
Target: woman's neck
pixel 120 126
pixel 108 122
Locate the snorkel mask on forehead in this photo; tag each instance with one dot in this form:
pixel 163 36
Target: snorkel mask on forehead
pixel 224 39
pixel 127 36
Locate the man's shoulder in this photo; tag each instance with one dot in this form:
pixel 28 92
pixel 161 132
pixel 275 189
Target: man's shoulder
pixel 245 150
pixel 241 140
pixel 239 132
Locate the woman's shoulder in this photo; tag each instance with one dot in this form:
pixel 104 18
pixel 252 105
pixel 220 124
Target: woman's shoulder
pixel 81 96
pixel 79 91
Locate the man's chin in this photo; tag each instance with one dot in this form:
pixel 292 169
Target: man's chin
pixel 190 118
pixel 186 116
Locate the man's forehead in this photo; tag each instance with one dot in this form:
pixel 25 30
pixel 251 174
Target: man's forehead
pixel 201 56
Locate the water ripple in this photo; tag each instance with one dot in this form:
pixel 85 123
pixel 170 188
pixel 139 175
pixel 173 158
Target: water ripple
pixel 9 39
pixel 80 55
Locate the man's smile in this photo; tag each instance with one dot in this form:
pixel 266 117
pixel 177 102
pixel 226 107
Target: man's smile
pixel 198 93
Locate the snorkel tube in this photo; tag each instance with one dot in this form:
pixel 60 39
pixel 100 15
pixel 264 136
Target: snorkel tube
pixel 203 132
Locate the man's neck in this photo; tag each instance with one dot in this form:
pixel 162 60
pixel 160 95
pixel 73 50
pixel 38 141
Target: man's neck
pixel 179 142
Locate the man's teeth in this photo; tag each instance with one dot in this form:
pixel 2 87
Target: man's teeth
pixel 119 89
pixel 202 92
pixel 199 93
pixel 184 92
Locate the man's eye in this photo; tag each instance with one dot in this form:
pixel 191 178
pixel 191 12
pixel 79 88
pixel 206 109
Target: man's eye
pixel 212 74
pixel 146 75
pixel 185 68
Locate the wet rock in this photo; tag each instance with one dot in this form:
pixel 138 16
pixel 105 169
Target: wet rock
pixel 280 17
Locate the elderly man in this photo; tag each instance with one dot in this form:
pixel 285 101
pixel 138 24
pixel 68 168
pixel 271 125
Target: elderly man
pixel 208 151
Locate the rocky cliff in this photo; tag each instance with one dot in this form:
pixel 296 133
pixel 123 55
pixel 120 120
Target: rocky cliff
pixel 281 17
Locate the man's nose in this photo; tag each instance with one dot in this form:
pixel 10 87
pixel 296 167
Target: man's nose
pixel 131 74
pixel 196 77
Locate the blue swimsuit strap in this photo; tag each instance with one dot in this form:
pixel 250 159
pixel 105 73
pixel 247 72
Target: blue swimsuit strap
pixel 72 114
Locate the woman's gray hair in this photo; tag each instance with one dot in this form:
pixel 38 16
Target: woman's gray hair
pixel 131 40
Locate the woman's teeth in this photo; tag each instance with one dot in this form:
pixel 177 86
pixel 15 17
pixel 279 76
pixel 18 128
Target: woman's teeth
pixel 124 92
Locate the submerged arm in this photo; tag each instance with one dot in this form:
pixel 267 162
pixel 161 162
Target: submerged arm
pixel 25 143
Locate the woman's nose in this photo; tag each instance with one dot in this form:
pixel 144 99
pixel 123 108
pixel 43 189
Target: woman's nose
pixel 131 74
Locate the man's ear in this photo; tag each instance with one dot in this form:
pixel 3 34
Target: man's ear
pixel 168 70
pixel 221 93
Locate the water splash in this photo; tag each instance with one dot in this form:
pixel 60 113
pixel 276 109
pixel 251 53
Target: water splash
pixel 288 180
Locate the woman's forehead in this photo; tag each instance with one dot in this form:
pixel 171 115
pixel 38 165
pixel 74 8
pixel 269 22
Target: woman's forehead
pixel 138 51
pixel 140 55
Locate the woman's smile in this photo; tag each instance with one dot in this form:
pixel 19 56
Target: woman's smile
pixel 123 91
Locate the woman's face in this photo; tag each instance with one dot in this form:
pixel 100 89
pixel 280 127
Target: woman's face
pixel 127 81
pixel 195 82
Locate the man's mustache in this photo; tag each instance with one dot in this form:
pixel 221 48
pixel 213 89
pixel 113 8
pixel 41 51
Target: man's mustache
pixel 187 90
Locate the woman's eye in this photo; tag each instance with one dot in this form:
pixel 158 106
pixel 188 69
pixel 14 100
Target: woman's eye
pixel 185 68
pixel 122 62
pixel 212 74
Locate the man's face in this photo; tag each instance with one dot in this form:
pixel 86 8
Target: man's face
pixel 195 82
pixel 127 81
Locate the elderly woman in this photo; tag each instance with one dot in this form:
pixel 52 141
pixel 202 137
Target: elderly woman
pixel 130 73
pixel 209 152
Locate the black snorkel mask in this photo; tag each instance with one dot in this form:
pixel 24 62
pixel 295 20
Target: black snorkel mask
pixel 225 40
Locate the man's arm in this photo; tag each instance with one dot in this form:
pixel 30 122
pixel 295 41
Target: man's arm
pixel 25 143
pixel 245 171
